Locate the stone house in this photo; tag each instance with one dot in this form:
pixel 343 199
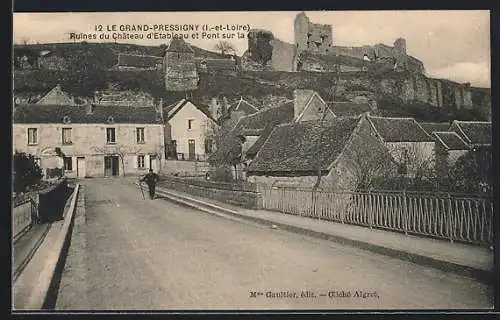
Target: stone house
pixel 408 143
pixel 138 62
pixel 96 141
pixel 179 66
pixel 474 133
pixel 189 131
pixel 448 148
pixel 344 150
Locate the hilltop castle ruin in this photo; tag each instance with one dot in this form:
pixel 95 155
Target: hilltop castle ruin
pixel 314 50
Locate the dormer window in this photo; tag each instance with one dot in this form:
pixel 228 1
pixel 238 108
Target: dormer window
pixel 66 119
pixel 111 119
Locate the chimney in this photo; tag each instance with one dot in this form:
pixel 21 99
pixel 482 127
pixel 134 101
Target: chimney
pixel 300 98
pixel 90 108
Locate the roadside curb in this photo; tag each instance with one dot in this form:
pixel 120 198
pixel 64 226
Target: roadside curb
pixel 475 273
pixel 41 294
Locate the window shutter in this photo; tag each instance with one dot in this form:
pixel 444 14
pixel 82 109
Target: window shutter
pixel 146 161
pixel 134 161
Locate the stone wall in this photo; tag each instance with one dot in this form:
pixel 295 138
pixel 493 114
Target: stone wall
pixel 234 194
pixel 284 56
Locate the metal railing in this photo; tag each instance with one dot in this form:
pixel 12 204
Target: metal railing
pixel 467 219
pixel 24 215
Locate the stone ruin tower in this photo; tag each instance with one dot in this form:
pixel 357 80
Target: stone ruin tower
pixel 180 67
pixel 312 37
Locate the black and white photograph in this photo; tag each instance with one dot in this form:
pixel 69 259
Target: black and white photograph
pixel 252 160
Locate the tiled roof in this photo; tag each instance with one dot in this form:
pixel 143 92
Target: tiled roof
pixel 450 140
pixel 297 147
pixel 264 120
pixel 268 117
pixel 473 132
pixel 138 61
pixel 38 113
pixel 246 107
pixel 431 127
pixel 341 109
pixel 179 45
pixel 172 109
pixel 400 129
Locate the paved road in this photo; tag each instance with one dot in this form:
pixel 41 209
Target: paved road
pixel 153 254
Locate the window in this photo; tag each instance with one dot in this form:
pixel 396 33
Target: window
pixel 68 164
pixel 140 161
pixel 208 146
pixel 38 162
pixel 66 136
pixel 190 124
pixel 140 135
pixel 110 135
pixel 32 136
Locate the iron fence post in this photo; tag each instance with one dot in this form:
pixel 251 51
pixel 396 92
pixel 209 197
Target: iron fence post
pixel 405 213
pixel 450 218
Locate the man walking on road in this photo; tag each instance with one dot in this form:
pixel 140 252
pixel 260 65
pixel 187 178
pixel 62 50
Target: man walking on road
pixel 151 179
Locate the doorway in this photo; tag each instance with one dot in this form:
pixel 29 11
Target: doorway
pixel 192 151
pixel 111 166
pixel 80 167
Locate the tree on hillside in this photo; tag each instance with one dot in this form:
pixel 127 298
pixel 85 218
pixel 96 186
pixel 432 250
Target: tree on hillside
pixel 26 171
pixel 472 172
pixel 224 47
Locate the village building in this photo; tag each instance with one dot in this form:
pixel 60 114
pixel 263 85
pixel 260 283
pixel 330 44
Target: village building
pixel 342 150
pixel 179 66
pixel 189 131
pixel 474 133
pixel 448 148
pixel 308 105
pixel 138 62
pixel 408 143
pixel 95 141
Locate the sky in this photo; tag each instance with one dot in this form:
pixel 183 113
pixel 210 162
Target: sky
pixel 452 44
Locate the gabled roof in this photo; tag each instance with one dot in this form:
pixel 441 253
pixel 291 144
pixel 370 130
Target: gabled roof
pixel 56 89
pixel 245 107
pixel 450 140
pixel 266 117
pixel 304 98
pixel 297 147
pixel 342 109
pixel 473 132
pixel 39 114
pixel 263 121
pixel 399 129
pixel 171 110
pixel 179 45
pixel 138 61
pixel 431 127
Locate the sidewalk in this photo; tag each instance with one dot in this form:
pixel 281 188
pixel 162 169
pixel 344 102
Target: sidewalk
pixel 468 260
pixel 25 247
